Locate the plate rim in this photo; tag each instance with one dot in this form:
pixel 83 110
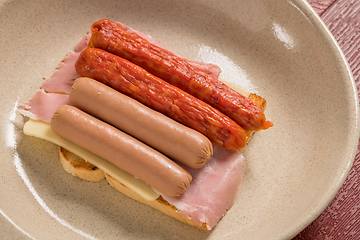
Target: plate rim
pixel 308 11
pixel 306 8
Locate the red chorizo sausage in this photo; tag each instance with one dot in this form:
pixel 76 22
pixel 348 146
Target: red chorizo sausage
pixel 169 137
pixel 178 72
pixel 157 94
pixel 120 149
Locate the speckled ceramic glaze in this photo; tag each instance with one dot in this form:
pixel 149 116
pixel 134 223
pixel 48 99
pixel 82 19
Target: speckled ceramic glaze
pixel 278 49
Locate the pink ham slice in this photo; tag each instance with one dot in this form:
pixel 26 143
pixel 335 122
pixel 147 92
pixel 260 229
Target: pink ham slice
pixel 43 105
pixel 63 78
pixel 46 100
pixel 213 189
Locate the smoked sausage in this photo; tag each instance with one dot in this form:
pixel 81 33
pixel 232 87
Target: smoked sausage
pixel 169 137
pixel 122 150
pixel 179 72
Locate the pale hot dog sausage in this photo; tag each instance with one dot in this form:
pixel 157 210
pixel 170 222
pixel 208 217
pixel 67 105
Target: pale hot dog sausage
pixel 173 139
pixel 122 150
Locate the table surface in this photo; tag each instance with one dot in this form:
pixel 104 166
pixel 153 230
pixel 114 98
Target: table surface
pixel 340 220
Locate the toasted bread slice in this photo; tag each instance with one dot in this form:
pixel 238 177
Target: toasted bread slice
pixel 80 168
pixel 159 204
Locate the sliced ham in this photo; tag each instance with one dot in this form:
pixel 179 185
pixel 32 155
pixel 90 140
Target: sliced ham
pixel 43 105
pixel 63 78
pixel 83 42
pixel 213 189
pixel 54 90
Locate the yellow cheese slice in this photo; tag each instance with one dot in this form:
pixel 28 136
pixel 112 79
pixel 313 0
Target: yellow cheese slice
pixel 43 130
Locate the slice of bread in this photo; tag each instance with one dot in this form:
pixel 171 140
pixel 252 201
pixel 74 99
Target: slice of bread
pixel 78 167
pixel 159 204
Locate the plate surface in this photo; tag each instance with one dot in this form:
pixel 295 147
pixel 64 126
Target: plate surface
pixel 278 49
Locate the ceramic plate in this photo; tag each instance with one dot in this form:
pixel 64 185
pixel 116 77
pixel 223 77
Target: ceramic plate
pixel 278 49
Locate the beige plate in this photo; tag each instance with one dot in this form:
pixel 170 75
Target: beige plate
pixel 278 48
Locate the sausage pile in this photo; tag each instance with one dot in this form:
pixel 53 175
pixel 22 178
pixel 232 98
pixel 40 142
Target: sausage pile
pixel 157 94
pixel 127 89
